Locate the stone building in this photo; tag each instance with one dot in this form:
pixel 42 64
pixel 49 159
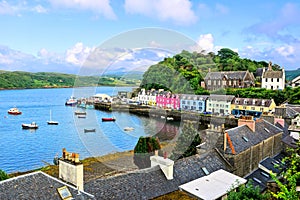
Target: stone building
pixel 229 79
pixel 249 143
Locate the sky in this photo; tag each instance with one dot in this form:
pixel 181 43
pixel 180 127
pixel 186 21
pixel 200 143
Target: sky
pixel 61 35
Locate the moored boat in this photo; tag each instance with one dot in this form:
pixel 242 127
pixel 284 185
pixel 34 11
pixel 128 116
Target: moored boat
pixel 128 129
pixel 33 125
pixel 108 119
pixel 72 101
pixel 51 122
pixel 86 130
pixel 77 112
pixel 14 111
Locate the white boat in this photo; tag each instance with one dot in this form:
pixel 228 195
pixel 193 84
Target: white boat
pixel 72 101
pixel 128 129
pixel 170 118
pixel 51 122
pixel 33 125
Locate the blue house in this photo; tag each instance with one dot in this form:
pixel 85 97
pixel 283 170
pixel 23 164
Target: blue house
pixel 190 102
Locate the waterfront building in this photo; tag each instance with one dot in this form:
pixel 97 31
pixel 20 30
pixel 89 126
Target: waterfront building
pixel 191 102
pixel 250 106
pixel 147 97
pixel 229 79
pixel 219 104
pixel 166 99
pixel 274 80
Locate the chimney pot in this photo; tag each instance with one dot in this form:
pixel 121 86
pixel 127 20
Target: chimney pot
pixel 165 155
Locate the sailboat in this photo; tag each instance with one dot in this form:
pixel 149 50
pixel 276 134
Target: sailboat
pixel 51 122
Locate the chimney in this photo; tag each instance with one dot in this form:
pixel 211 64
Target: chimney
pixel 165 164
pixel 71 169
pixel 270 66
pixel 280 121
pixel 248 120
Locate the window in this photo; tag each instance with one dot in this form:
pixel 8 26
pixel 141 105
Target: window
pixel 64 192
pixel 277 79
pixel 252 108
pixel 266 80
pixel 272 80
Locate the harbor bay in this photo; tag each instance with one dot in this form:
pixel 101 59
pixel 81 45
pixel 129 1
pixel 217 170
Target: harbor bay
pixel 23 149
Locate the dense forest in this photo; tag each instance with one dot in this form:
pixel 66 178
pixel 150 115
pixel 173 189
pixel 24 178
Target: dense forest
pixel 19 79
pixel 184 72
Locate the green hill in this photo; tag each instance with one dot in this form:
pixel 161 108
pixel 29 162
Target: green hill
pixel 20 79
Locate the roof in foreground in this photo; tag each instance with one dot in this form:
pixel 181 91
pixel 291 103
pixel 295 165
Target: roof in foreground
pixel 242 137
pixel 37 185
pixel 150 183
pixel 214 185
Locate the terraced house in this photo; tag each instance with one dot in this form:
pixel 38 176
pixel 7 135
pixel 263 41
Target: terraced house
pixel 195 103
pixel 228 79
pixel 250 106
pixel 219 104
pixel 147 97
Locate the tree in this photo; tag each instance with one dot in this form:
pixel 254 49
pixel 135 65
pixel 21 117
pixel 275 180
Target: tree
pixel 187 142
pixel 291 176
pixel 145 148
pixel 247 192
pixel 3 175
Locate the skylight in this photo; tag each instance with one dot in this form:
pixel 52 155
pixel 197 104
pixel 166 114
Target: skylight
pixel 264 174
pixel 205 170
pixel 267 130
pixel 246 139
pixel 257 180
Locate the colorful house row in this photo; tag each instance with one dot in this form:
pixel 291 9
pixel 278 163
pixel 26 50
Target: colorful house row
pixel 216 104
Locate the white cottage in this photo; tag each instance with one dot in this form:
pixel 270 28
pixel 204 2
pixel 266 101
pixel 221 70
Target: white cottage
pixel 273 80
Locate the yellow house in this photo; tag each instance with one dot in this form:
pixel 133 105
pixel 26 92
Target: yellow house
pixel 254 107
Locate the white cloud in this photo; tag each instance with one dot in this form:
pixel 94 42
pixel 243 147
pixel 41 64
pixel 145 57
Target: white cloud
pixel 221 9
pixel 97 6
pixel 178 11
pixel 7 9
pixel 285 50
pixel 40 9
pixel 78 54
pixel 206 42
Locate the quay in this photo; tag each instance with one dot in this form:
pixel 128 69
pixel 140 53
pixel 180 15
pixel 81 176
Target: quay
pixel 176 115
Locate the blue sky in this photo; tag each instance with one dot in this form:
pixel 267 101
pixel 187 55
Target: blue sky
pixel 58 35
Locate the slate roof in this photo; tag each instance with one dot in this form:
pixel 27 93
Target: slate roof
pixel 37 185
pixel 151 183
pixel 231 75
pixel 249 101
pixel 273 74
pixel 193 97
pixel 263 130
pixel 221 97
pixel 260 177
pixel 259 72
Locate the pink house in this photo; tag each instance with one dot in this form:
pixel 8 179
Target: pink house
pixel 168 100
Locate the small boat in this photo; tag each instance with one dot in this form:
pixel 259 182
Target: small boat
pixel 108 119
pixel 33 125
pixel 170 118
pixel 51 122
pixel 128 129
pixel 72 101
pixel 14 111
pixel 163 117
pixel 86 130
pixel 81 116
pixel 77 112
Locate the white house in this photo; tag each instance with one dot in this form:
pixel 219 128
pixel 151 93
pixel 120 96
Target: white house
pixel 273 80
